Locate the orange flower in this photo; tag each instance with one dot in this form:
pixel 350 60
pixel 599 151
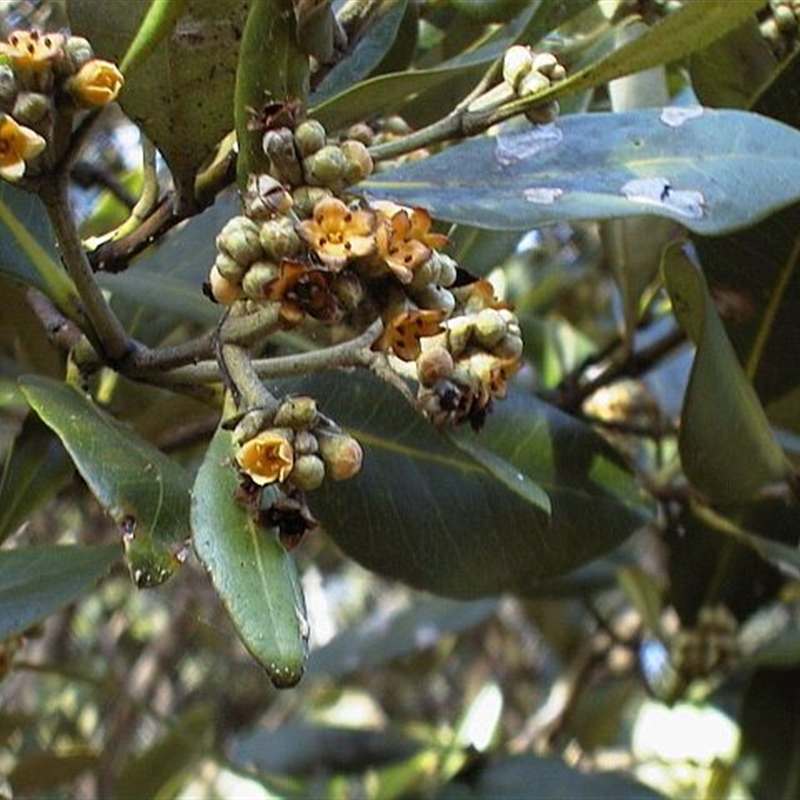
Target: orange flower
pixel 336 233
pixel 404 240
pixel 18 144
pixel 32 50
pixel 302 290
pixel 97 83
pixel 266 458
pixel 403 333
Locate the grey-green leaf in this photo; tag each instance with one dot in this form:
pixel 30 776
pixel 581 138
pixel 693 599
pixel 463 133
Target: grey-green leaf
pixel 144 491
pixel 252 573
pixel 728 450
pixel 712 171
pixel 37 581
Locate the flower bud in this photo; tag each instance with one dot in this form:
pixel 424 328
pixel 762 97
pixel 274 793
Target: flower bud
pixel 532 83
pixel 32 107
pixel 459 333
pixel 239 238
pixel 8 87
pixel 436 297
pixel 305 443
pixel 517 63
pixel 326 167
pixel 97 83
pixel 349 290
pixel 361 132
pixel 490 327
pixel 284 164
pixel 229 268
pixel 308 473
pixel 341 453
pixel 265 197
pixel 309 136
pixel 359 161
pixel 279 239
pixel 434 364
pixel 224 291
pixel 258 275
pixel 297 412
pixel 78 51
pixel 306 197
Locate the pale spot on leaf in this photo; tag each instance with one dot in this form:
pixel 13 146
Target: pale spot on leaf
pixel 659 192
pixel 543 194
pixel 519 145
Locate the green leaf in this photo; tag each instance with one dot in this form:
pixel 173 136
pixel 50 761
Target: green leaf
pixel 272 68
pixel 144 491
pixel 378 641
pixel 712 171
pixel 368 52
pixel 252 573
pixel 38 772
pixel 693 27
pixel 27 252
pixel 36 468
pixel 727 448
pixel 181 94
pixel 425 512
pixel 37 581
pixel 770 723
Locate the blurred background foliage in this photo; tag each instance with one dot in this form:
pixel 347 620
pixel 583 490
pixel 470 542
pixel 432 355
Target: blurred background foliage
pixel 665 665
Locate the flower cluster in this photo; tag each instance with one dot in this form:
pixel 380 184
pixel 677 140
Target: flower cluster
pixel 781 25
pixel 711 645
pixel 43 76
pixel 304 248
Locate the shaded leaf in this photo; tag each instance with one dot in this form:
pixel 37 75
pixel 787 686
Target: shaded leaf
pixel 425 512
pixel 38 772
pixel 514 776
pixel 144 491
pixel 770 723
pixel 712 171
pixel 37 581
pixel 368 52
pixel 727 448
pixel 181 94
pixel 36 468
pixel 381 639
pixel 252 573
pixel 27 252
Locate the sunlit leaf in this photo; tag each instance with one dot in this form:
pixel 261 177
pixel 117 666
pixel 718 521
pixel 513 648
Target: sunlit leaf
pixel 728 450
pixel 145 492
pixel 38 581
pixel 252 573
pixel 712 171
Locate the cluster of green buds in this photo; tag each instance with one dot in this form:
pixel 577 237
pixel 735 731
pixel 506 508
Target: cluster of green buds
pixel 711 645
pixel 44 79
pixel 780 26
pixel 525 73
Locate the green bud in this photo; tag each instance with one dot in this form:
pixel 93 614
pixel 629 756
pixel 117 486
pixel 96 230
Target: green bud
pixel 349 289
pixel 224 291
pixel 258 275
pixel 435 297
pixel 265 197
pixel 229 268
pixel 305 443
pixel 32 107
pixel 308 473
pixel 8 87
pixel 306 197
pixel 341 453
pixel 239 238
pixel 284 164
pixel 327 167
pixel 78 51
pixel 517 64
pixel 359 161
pixel 297 412
pixel 361 132
pixel 309 137
pixel 459 333
pixel 490 327
pixel 279 239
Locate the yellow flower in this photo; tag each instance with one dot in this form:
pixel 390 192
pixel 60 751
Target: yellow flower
pixel 404 239
pixel 18 144
pixel 266 458
pixel 336 233
pixel 32 50
pixel 97 83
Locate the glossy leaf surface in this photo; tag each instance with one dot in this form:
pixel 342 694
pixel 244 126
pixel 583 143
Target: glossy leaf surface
pixel 37 581
pixel 425 512
pixel 712 171
pixel 727 448
pixel 252 573
pixel 145 492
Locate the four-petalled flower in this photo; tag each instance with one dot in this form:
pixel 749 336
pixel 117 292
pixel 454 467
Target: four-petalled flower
pixel 96 84
pixel 18 144
pixel 32 50
pixel 267 457
pixel 403 332
pixel 337 233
